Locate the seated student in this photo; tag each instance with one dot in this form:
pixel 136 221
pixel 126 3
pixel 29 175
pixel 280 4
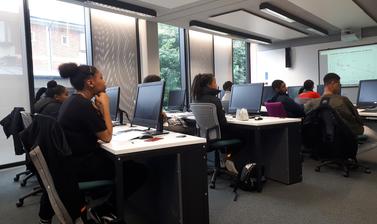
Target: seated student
pixel 151 78
pixel 306 92
pixel 84 123
pixel 291 107
pixel 227 87
pixel 341 104
pixel 55 95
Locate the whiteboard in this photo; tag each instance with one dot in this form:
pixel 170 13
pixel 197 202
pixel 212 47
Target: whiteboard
pixel 352 64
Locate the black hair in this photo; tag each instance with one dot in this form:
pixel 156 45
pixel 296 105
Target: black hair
pixel 151 78
pixel 39 93
pixel 200 81
pixel 227 85
pixel 276 84
pixel 329 77
pixel 54 89
pixel 77 74
pixel 308 86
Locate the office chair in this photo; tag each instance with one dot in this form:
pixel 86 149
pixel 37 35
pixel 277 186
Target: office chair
pixel 208 127
pixel 331 140
pixel 54 169
pixel 275 109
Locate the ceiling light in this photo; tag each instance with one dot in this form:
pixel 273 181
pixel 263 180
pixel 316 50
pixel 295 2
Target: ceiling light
pixel 225 31
pixel 122 7
pixel 286 16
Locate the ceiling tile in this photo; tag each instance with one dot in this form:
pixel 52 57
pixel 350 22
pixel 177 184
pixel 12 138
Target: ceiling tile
pixel 246 21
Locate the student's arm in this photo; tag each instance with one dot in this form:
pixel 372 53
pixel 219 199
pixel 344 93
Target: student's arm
pixel 294 108
pixel 102 102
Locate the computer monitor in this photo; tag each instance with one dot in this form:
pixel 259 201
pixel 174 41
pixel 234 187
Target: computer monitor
pixel 114 95
pixel 248 96
pixel 320 89
pixel 176 99
pixel 293 91
pixel 268 93
pixel 367 96
pixel 148 105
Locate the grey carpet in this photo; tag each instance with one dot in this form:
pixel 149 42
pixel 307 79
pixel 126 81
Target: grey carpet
pixel 325 197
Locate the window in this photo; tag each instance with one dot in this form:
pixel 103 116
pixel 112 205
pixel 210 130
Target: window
pixel 170 64
pixel 240 62
pixel 33 36
pixel 65 40
pixel 59 29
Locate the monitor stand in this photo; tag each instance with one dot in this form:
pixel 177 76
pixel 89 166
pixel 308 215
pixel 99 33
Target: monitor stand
pixel 159 130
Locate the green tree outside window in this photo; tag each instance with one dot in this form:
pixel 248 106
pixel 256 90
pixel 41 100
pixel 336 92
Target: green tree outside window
pixel 239 62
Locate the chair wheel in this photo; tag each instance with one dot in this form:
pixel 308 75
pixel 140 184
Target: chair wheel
pixel 212 186
pixel 367 171
pixel 346 174
pixel 20 203
pixel 23 184
pixel 317 169
pixel 15 179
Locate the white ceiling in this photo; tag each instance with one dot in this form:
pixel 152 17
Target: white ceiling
pixel 331 15
pixel 340 13
pixel 170 4
pixel 249 22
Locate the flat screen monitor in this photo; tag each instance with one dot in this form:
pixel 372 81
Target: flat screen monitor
pixel 248 96
pixel 268 93
pixel 176 99
pixel 320 89
pixel 367 96
pixel 148 106
pixel 293 91
pixel 114 95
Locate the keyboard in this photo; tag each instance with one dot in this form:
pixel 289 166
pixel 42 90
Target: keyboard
pixel 373 109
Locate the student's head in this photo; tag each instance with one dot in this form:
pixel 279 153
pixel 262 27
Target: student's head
pixel 152 78
pixel 308 85
pixel 332 83
pixel 83 77
pixel 227 86
pixel 57 92
pixel 200 82
pixel 279 86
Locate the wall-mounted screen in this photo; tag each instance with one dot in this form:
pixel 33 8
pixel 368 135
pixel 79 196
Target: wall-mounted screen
pixel 352 64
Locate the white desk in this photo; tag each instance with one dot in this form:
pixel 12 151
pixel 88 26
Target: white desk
pixel 176 190
pixel 367 115
pixel 266 121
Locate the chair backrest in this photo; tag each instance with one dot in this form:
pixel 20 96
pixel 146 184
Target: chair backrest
pixel 327 134
pixel 275 109
pixel 40 164
pixel 225 105
pixel 206 120
pixel 26 118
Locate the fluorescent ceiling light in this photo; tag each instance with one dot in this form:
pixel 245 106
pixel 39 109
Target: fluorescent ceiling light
pixel 290 18
pixel 211 31
pixel 257 41
pixel 278 15
pixel 316 31
pixel 122 7
pixel 225 31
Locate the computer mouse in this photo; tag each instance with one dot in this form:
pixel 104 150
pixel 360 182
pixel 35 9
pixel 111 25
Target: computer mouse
pixel 258 118
pixel 145 136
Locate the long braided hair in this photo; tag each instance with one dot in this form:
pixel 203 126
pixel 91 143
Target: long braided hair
pixel 200 81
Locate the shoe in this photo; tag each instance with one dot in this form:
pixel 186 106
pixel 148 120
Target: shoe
pixel 229 165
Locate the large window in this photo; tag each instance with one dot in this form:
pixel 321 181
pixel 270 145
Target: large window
pixel 58 32
pixel 169 51
pixel 240 62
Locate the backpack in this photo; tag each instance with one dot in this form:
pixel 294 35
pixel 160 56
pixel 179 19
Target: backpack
pixel 247 179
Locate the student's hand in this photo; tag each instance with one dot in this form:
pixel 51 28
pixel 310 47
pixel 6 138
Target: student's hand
pixel 102 101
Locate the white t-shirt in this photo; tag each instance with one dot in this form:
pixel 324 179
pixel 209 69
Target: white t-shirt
pixel 226 96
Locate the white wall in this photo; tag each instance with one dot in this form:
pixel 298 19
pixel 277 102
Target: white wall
pixel 223 60
pixel 304 64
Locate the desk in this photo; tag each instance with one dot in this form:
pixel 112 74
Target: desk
pixel 277 144
pixel 367 115
pixel 182 187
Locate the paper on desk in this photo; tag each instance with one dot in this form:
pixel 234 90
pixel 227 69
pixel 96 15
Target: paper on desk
pixel 126 136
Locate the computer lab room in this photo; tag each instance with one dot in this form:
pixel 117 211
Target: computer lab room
pixel 188 111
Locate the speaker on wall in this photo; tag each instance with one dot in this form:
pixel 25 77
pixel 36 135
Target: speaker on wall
pixel 288 61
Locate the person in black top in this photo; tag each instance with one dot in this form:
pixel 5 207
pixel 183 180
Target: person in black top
pixel 291 107
pixel 204 90
pixel 55 95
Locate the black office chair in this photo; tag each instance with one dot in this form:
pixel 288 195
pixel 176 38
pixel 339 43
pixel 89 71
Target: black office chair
pixel 209 128
pixel 330 139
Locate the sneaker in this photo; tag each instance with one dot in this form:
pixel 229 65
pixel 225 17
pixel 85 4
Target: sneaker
pixel 229 165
